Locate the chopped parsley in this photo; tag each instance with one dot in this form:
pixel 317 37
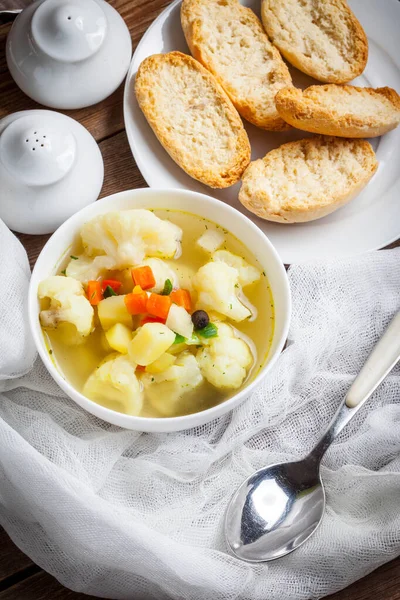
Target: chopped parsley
pixel 108 292
pixel 64 272
pixel 73 257
pixel 167 288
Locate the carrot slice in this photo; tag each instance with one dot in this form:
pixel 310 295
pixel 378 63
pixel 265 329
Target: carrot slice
pixel 182 298
pixel 136 303
pixel 113 283
pixel 140 368
pixel 152 320
pixel 144 277
pixel 158 305
pixel 94 293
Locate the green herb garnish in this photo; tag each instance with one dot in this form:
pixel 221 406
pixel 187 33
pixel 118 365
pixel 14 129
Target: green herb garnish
pixel 167 288
pixel 208 331
pixel 64 272
pixel 179 339
pixel 108 292
pixel 73 257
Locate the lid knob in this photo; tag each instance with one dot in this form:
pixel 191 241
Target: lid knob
pixel 69 30
pixel 37 151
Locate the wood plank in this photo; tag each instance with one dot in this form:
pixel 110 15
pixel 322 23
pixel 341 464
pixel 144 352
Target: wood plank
pixel 12 560
pixel 41 586
pixel 382 584
pixel 105 118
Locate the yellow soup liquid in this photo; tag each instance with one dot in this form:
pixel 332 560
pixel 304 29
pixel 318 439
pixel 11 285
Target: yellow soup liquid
pixel 77 362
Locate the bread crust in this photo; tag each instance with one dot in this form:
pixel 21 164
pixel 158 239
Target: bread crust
pixel 196 21
pixel 191 151
pixel 329 32
pixel 301 181
pixel 309 111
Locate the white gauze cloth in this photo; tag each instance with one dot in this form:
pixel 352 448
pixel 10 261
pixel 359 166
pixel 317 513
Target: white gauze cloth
pixel 119 514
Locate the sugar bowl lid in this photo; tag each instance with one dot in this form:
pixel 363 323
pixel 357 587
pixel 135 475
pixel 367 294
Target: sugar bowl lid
pixel 50 167
pixel 68 53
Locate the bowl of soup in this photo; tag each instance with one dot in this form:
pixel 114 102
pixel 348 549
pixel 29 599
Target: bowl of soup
pixel 159 310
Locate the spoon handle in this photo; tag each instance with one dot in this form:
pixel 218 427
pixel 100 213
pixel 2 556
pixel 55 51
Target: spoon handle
pixel 382 359
pixel 380 362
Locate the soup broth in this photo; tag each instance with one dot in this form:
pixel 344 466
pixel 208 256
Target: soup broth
pixel 78 362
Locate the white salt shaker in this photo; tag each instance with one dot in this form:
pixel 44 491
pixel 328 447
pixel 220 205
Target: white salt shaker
pixel 68 54
pixel 50 167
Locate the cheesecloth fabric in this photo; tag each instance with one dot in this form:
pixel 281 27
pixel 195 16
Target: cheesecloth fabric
pixel 124 515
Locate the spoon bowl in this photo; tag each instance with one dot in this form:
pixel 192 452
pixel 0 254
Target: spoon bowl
pixel 275 511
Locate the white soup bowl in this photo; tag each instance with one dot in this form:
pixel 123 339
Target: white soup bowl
pixel 59 246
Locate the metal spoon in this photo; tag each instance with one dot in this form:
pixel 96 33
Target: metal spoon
pixel 278 507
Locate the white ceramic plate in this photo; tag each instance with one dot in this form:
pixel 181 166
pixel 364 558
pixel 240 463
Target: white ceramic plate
pixel 369 222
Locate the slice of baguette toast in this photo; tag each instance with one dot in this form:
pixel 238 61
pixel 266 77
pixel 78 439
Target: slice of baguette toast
pixel 193 118
pixel 320 37
pixel 340 110
pixel 229 40
pixel 307 179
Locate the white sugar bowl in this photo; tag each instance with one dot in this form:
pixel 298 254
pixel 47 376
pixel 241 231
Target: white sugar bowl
pixel 50 167
pixel 69 53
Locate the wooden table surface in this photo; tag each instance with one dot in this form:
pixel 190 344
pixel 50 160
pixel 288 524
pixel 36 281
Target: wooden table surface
pixel 20 578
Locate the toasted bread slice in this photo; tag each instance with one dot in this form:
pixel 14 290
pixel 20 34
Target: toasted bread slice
pixel 307 179
pixel 341 110
pixel 229 40
pixel 193 118
pixel 320 37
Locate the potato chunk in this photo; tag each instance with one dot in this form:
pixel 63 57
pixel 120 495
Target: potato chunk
pixel 119 337
pixel 165 361
pixel 151 340
pixel 112 310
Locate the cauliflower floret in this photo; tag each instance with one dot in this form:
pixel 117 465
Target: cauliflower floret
pixel 161 272
pixel 225 360
pixel 122 239
pixel 114 381
pixel 216 284
pixel 68 304
pixel 165 390
pixel 86 269
pixel 247 273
